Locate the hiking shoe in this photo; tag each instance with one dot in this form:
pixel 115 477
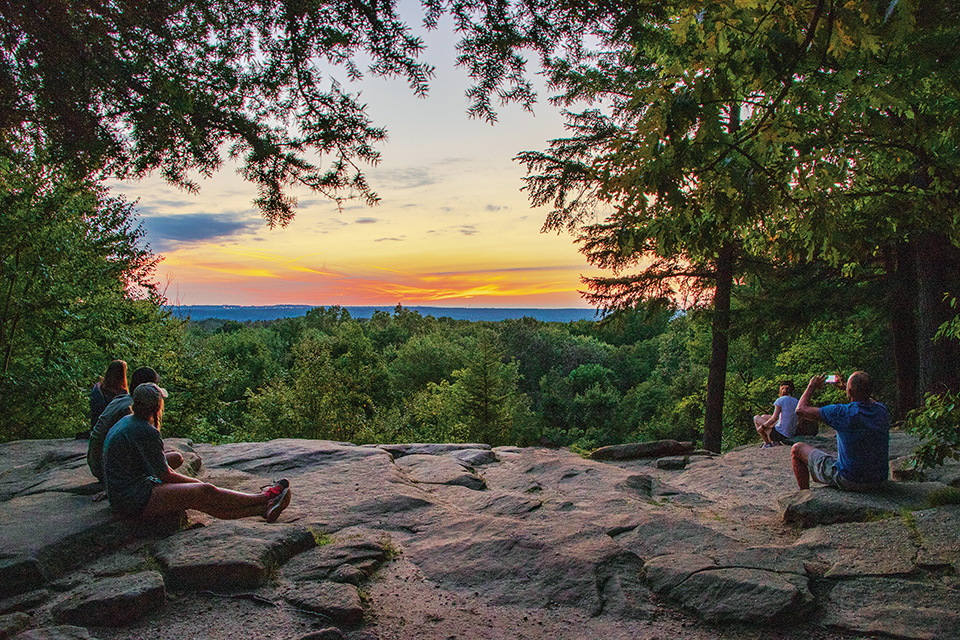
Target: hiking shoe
pixel 766 445
pixel 277 504
pixel 273 490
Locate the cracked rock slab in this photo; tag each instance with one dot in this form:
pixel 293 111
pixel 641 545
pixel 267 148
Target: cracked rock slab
pixel 882 548
pixel 340 603
pixel 323 563
pixel 894 607
pixel 229 555
pixel 75 530
pixel 113 602
pixel 826 505
pixel 426 469
pixel 727 594
pixel 938 530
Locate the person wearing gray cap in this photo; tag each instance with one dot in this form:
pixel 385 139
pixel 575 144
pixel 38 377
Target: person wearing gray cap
pixel 140 483
pixel 120 406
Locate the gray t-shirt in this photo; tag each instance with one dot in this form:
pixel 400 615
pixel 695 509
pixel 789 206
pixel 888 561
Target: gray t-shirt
pixel 120 406
pixel 787 422
pixel 133 463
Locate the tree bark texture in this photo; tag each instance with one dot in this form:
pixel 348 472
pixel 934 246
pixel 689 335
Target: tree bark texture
pixel 902 274
pixel 717 375
pixel 938 274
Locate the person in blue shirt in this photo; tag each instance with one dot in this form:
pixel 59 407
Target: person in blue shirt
pixel 863 437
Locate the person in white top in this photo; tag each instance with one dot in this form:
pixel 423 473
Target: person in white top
pixel 782 423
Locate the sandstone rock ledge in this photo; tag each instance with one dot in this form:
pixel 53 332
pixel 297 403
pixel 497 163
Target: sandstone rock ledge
pixel 464 541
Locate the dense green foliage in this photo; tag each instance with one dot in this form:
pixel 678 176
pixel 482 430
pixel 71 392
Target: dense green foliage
pixel 937 422
pixel 75 289
pixel 402 377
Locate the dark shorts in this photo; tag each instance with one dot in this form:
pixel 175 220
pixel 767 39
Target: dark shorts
pixel 133 499
pixel 776 436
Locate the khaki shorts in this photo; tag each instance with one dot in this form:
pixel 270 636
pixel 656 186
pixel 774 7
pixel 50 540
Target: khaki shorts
pixel 823 469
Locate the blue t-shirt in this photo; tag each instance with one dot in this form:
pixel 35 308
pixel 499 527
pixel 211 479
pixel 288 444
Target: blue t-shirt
pixel 863 439
pixel 133 463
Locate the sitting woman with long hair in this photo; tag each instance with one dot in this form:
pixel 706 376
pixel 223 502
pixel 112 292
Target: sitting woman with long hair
pixel 113 382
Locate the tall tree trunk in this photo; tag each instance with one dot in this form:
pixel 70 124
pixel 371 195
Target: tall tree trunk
pixel 902 273
pixel 938 273
pixel 717 376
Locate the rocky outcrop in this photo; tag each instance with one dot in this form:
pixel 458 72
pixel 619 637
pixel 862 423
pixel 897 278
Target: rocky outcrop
pixel 438 541
pixel 638 450
pixel 829 506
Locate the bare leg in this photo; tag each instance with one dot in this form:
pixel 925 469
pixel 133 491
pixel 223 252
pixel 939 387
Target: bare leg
pixel 763 431
pixel 799 453
pixel 201 496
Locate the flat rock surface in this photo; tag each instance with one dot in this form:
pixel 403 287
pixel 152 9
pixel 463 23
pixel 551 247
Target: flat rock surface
pixel 463 541
pixel 229 555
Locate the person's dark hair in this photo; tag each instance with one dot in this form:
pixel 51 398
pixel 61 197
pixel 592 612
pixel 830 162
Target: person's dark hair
pixel 859 386
pixel 115 378
pixel 788 384
pixel 141 375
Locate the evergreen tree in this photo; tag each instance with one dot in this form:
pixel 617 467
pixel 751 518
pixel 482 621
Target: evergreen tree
pixel 488 392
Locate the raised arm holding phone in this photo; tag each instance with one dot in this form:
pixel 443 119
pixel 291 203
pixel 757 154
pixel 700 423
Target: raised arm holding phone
pixel 863 434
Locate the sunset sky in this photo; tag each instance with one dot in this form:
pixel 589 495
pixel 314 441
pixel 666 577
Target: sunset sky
pixel 452 229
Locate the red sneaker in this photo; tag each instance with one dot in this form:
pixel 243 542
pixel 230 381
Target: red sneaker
pixel 279 499
pixel 273 490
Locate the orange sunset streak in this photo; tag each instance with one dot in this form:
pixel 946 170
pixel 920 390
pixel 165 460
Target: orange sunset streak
pixel 412 291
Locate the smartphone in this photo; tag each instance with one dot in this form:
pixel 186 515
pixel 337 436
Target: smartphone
pixel 832 379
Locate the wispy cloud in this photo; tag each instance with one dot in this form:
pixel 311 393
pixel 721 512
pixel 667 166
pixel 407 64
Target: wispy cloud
pixel 366 221
pixel 401 239
pixel 408 178
pixel 494 207
pixel 465 229
pixel 167 232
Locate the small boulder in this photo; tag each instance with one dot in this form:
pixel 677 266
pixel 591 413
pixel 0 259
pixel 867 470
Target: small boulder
pixel 475 457
pixel 672 463
pixel 229 554
pixel 428 469
pixel 112 602
pixel 739 594
pixel 636 450
pixel 12 623
pixel 330 633
pixel 334 561
pixel 338 602
pixel 428 449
